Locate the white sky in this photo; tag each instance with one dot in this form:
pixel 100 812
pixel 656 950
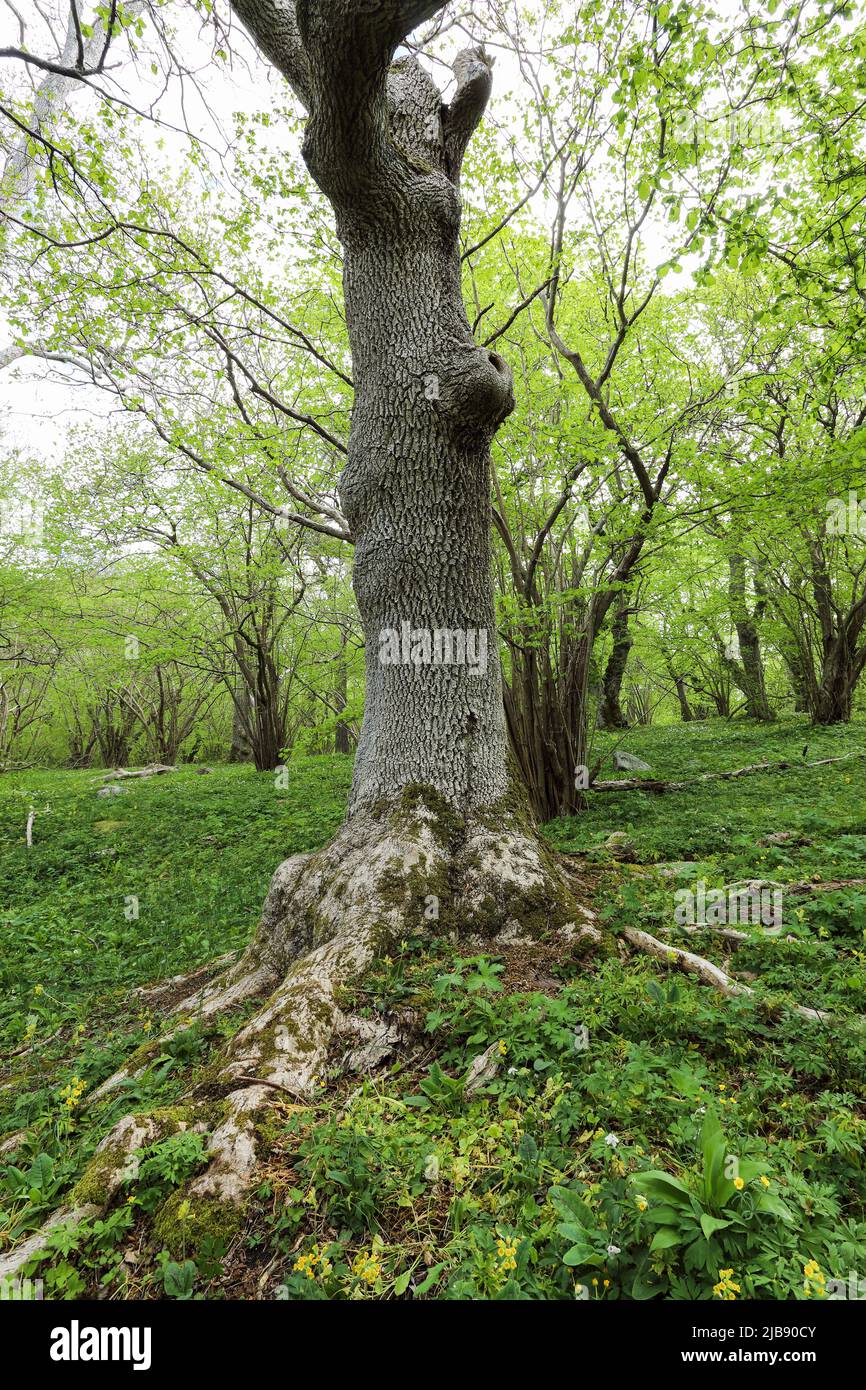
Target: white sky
pixel 40 404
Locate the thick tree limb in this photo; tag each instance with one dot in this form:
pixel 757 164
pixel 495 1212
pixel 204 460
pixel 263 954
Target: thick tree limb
pixel 474 72
pixel 337 55
pixel 274 26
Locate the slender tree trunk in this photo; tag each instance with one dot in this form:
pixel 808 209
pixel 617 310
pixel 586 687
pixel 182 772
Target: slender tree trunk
pixel 342 732
pixel 611 715
pixel 686 711
pixel 841 670
pixel 799 667
pixel 748 673
pixel 239 750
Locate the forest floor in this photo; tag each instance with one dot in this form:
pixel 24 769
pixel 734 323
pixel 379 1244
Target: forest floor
pixel 642 1136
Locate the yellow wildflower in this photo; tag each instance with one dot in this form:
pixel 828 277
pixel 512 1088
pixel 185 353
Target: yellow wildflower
pixel 726 1288
pixel 313 1264
pixel 365 1266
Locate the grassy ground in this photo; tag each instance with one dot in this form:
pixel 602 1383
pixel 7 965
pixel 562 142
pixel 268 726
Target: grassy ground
pixel 641 1135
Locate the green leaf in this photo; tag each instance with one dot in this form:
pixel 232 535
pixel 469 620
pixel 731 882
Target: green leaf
pixel 774 1206
pixel 582 1254
pixel 665 1238
pixel 41 1172
pixel 179 1280
pixel 713 1149
pixel 711 1224
pixel 431 1279
pixel 663 1186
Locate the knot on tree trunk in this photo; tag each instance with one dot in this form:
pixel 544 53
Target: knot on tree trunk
pixel 475 391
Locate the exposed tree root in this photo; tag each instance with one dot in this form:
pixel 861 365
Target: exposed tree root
pixel 408 868
pixel 710 974
pixel 13 1141
pixel 174 991
pixel 113 1163
pixel 152 770
pixel 730 934
pixel 830 885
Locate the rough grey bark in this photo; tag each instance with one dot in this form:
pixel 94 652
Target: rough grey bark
pixel 387 152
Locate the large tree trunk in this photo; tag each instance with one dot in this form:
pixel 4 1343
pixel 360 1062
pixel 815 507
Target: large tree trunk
pixel 428 403
pixel 436 833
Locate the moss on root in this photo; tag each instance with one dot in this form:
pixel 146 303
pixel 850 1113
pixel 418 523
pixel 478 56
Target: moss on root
pixel 95 1187
pixel 183 1223
pixel 540 908
pixel 98 1183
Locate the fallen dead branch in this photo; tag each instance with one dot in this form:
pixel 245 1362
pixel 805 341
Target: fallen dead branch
pixel 657 786
pixel 152 770
pixel 714 975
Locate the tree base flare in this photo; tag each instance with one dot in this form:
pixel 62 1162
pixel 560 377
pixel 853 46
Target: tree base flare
pixel 395 871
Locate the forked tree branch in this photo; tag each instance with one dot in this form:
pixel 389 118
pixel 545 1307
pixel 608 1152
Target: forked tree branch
pixel 337 55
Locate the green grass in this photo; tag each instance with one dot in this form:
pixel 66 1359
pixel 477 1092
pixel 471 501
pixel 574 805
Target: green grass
pixel 722 820
pixel 413 1190
pixel 192 854
pixel 197 852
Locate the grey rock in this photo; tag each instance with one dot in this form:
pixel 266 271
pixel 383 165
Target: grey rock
pixel 627 762
pixel 786 837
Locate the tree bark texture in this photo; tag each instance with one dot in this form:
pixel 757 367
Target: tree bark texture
pixel 387 152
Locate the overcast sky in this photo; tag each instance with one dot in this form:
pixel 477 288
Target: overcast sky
pixel 41 405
